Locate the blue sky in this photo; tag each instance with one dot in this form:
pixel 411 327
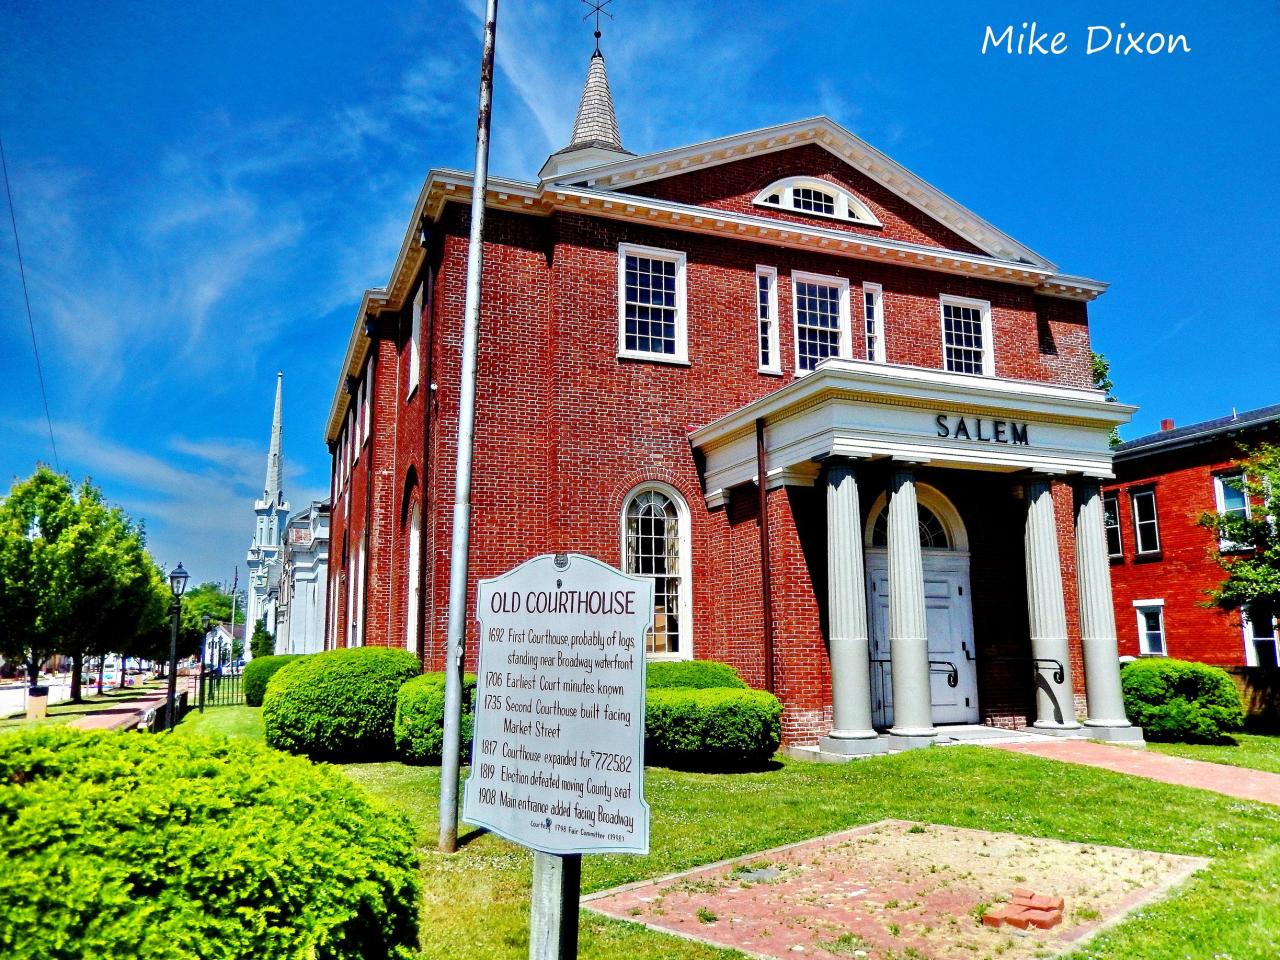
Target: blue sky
pixel 204 190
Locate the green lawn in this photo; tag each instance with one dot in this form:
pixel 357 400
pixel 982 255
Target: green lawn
pixel 227 721
pixel 475 903
pixel 1248 750
pixel 66 711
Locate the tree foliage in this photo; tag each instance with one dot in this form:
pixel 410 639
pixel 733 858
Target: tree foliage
pixel 1247 547
pixel 262 643
pixel 1102 381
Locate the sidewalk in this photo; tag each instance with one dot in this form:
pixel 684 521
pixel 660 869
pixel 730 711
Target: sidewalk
pixel 127 714
pixel 1237 782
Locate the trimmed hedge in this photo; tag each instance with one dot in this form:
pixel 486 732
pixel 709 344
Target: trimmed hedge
pixel 711 729
pixel 338 705
pixel 698 674
pixel 419 727
pixel 1179 700
pixel 121 845
pixel 258 671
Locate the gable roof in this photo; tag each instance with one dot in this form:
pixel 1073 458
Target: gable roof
pixel 1198 432
pixel 618 175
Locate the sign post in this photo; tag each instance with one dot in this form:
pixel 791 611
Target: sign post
pixel 558 749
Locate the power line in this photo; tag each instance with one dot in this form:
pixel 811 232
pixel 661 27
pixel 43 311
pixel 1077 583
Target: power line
pixel 31 324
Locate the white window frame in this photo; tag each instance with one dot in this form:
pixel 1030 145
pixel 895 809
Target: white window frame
pixel 685 599
pixel 848 208
pixel 1155 520
pixel 988 341
pixel 1114 495
pixel 413 628
pixel 680 259
pixel 876 292
pixel 1250 641
pixel 1220 499
pixel 415 349
pixel 844 350
pixel 774 366
pixel 1140 607
pixel 364 405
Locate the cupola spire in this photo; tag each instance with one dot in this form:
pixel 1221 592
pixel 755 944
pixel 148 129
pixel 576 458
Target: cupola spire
pixel 273 487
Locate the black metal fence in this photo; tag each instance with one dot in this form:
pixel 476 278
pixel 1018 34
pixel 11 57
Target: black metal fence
pixel 221 688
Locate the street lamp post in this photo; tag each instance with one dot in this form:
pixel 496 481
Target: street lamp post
pixel 177 584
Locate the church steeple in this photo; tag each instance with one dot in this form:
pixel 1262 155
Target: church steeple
pixel 595 138
pixel 273 487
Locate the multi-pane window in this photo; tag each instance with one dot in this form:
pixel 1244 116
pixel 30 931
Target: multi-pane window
pixel 965 335
pixel 651 299
pixel 1111 523
pixel 1232 501
pixel 821 306
pixel 873 321
pixel 1150 627
pixel 1146 528
pixel 813 201
pixel 1260 636
pixel 933 534
pixel 654 547
pixel 767 319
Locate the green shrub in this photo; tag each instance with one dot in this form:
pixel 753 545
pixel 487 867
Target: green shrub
pixel 1178 700
pixel 338 705
pixel 136 847
pixel 419 727
pixel 711 729
pixel 258 671
pixel 699 674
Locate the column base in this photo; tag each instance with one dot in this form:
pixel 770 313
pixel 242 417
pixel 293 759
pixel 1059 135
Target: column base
pixel 853 747
pixel 1116 734
pixel 1075 730
pixel 911 740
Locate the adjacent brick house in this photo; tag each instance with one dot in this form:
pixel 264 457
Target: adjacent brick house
pixel 663 336
pixel 1163 561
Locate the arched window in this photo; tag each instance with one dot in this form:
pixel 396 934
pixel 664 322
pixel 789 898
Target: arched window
pixel 415 567
pixel 933 534
pixel 655 544
pixel 818 198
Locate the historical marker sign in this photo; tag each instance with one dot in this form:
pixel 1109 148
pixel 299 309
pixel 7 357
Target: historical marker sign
pixel 557 757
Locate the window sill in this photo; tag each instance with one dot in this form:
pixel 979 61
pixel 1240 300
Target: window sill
pixel 1154 557
pixel 1151 656
pixel 655 358
pixel 1116 558
pixel 765 371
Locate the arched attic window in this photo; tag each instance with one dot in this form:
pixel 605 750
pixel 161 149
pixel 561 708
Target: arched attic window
pixel 816 198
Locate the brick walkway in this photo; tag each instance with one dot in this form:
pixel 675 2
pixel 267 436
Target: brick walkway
pixel 128 713
pixel 1220 778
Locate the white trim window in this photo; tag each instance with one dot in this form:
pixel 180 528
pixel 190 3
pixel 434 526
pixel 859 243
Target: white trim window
pixel 655 544
pixel 770 359
pixel 415 343
pixel 873 321
pixel 966 336
pixel 820 309
pixel 1232 501
pixel 813 197
pixel 364 405
pixel 1146 521
pixel 413 594
pixel 1261 644
pixel 652 313
pixel 1111 524
pixel 1151 639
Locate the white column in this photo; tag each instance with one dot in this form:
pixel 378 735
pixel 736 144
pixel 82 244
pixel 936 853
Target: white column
pixel 1047 613
pixel 908 627
pixel 848 646
pixel 1107 720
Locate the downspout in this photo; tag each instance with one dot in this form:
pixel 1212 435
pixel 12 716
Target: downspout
pixel 766 576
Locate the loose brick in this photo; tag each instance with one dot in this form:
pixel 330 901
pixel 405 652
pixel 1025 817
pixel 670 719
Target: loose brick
pixel 1043 919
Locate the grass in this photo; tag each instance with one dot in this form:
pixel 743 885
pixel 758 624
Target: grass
pixel 476 902
pixel 224 721
pixel 1255 751
pixel 66 711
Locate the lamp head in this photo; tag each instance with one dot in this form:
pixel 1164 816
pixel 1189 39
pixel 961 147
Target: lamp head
pixel 178 580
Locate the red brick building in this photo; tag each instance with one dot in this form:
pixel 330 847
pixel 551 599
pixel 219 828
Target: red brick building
pixel 1162 560
pixel 662 336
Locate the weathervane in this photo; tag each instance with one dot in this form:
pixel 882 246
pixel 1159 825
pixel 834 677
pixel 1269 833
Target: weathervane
pixel 597 8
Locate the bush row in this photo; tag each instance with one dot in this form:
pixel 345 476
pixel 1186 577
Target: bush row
pixel 419 724
pixel 260 670
pixel 119 845
pixel 1180 700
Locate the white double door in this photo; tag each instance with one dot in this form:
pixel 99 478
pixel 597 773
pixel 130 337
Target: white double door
pixel 949 615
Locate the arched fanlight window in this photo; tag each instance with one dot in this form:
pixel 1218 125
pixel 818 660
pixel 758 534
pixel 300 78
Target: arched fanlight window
pixel 655 544
pixel 818 198
pixel 933 533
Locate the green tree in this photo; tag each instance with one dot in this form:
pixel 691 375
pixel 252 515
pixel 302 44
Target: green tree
pixel 1102 381
pixel 1247 547
pixel 262 643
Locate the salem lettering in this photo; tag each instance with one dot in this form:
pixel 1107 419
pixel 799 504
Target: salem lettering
pixel 986 431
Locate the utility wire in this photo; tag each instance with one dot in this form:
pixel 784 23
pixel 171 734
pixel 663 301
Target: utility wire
pixel 31 325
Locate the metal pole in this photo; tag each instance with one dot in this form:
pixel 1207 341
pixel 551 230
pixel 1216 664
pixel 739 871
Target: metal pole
pixel 173 665
pixel 553 906
pixel 457 623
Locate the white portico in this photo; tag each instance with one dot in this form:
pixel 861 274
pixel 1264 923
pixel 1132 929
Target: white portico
pixel 885 443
